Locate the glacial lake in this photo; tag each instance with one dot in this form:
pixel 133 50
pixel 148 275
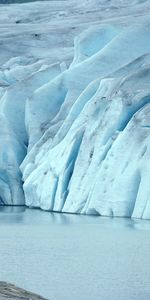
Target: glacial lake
pixel 73 257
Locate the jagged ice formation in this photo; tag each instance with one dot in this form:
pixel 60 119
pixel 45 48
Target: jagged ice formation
pixel 75 137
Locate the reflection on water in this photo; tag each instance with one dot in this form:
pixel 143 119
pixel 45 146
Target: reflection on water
pixel 22 214
pixel 13 209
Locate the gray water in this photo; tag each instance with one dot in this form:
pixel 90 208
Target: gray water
pixel 73 257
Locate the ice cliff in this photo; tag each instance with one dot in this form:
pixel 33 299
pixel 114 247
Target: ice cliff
pixel 75 137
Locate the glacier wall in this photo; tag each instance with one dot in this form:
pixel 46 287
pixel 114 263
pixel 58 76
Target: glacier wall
pixel 77 139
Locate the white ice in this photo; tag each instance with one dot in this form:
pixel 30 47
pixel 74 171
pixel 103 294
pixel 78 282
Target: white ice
pixel 76 133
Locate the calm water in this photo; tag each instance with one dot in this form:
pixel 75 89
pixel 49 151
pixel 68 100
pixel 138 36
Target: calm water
pixel 72 257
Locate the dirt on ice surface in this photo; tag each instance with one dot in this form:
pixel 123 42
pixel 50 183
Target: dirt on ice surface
pixel 47 28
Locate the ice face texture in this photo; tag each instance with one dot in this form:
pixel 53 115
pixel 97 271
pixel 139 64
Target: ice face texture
pixel 77 136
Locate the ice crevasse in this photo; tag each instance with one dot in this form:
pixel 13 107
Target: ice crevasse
pixel 81 143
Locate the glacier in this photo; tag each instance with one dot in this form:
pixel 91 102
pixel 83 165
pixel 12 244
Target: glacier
pixel 75 132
